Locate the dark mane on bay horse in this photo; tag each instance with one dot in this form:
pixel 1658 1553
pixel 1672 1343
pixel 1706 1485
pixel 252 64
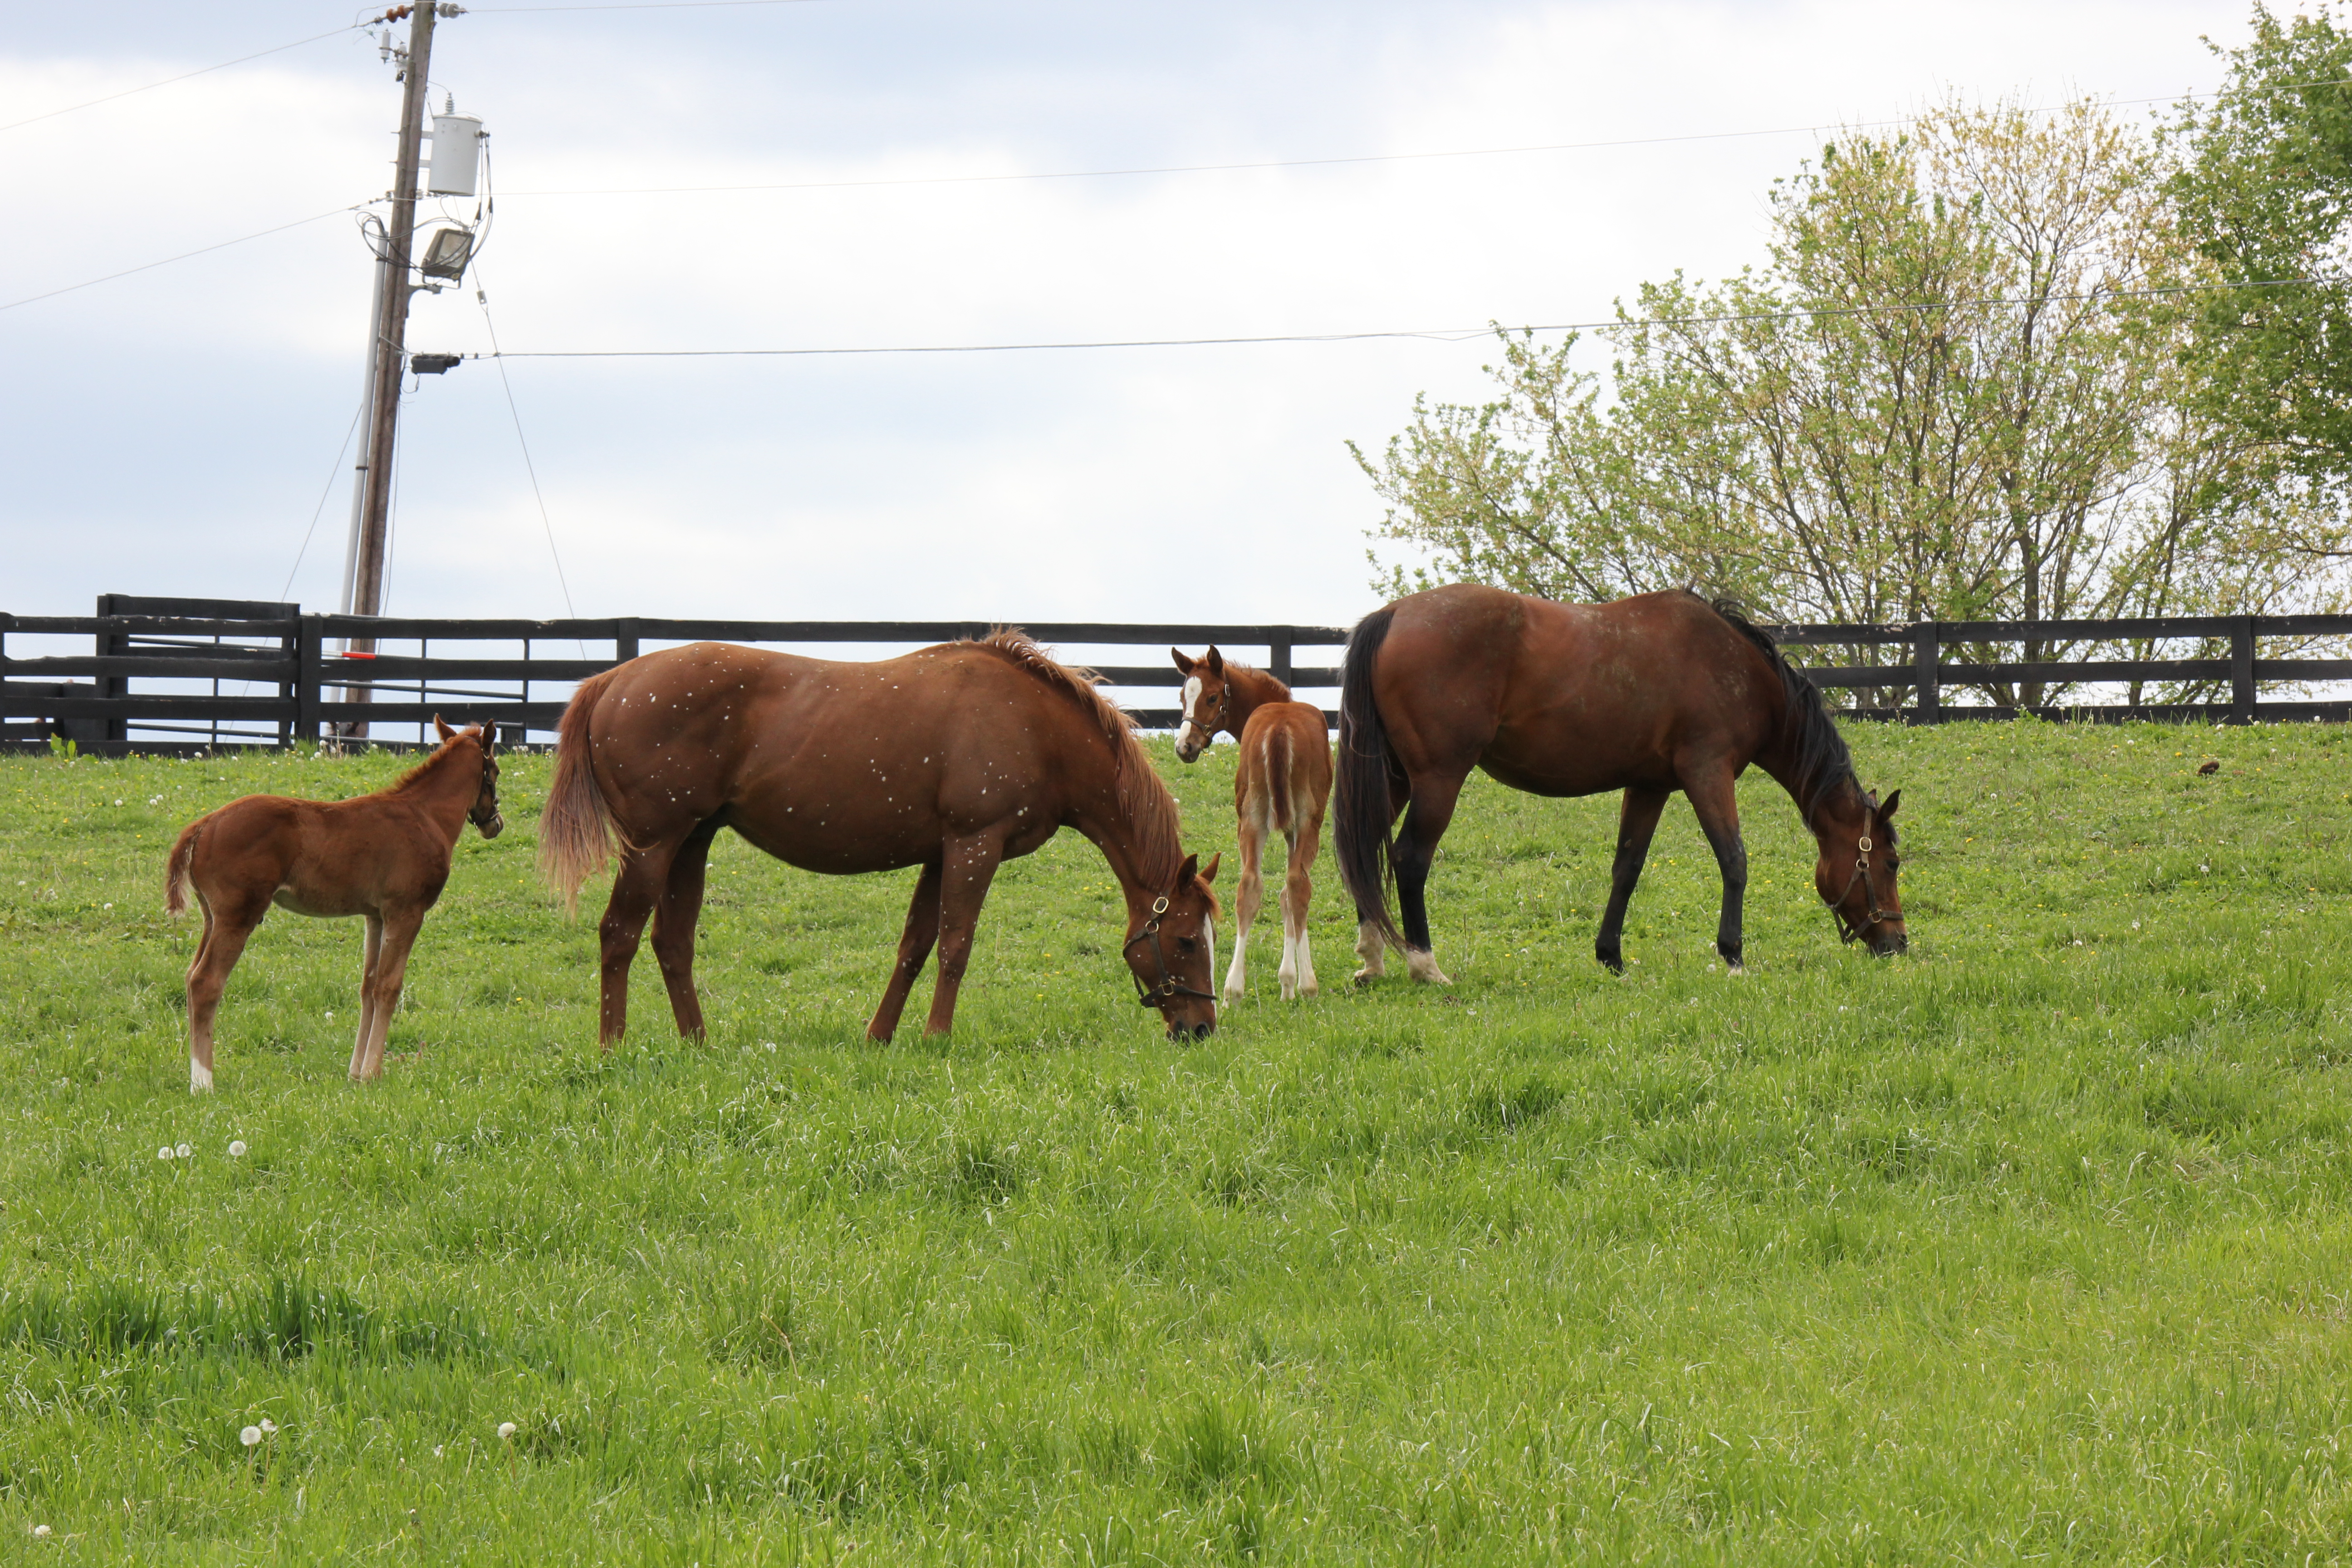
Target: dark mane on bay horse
pixel 1651 695
pixel 953 759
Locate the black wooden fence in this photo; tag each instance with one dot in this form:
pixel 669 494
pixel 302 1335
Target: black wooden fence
pixel 157 676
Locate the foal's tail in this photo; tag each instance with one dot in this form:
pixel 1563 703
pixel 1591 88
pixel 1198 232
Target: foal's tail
pixel 575 832
pixel 1361 839
pixel 177 880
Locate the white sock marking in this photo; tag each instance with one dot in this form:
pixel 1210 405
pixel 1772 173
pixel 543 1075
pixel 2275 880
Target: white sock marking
pixel 200 1076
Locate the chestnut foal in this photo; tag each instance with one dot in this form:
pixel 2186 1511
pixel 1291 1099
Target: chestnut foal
pixel 1283 782
pixel 384 855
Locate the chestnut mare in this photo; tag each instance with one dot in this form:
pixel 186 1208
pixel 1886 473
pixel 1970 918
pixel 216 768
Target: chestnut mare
pixel 953 759
pixel 1648 695
pixel 383 855
pixel 1282 783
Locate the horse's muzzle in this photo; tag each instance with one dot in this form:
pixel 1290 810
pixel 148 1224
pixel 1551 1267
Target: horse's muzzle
pixel 1184 1033
pixel 493 827
pixel 1886 944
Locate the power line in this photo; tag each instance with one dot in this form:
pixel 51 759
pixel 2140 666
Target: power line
pixel 205 251
pixel 639 5
pixel 1326 162
pixel 126 92
pixel 333 474
pixel 1437 334
pixel 482 297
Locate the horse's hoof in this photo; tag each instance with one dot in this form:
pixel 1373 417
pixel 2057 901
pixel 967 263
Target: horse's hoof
pixel 1366 976
pixel 200 1079
pixel 1423 966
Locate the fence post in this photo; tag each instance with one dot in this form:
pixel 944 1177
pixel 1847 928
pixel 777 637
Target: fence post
pixel 2241 670
pixel 1278 661
pixel 308 639
pixel 1926 652
pixel 625 640
pixel 109 643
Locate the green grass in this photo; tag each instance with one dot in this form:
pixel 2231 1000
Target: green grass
pixel 2031 1245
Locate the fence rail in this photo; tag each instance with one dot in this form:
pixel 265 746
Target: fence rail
pixel 298 686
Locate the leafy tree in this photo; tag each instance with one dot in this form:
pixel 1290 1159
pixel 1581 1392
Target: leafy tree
pixel 2262 182
pixel 1956 389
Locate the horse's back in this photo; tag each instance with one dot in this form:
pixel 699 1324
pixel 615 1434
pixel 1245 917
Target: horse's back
pixel 834 767
pixel 1570 699
pixel 1286 762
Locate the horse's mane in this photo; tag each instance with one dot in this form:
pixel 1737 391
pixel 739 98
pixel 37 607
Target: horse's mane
pixel 1818 752
pixel 416 775
pixel 1159 834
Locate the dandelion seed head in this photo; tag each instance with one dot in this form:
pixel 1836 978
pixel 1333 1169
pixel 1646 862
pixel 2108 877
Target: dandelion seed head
pixel 236 1148
pixel 40 1532
pixel 164 1153
pixel 268 1426
pixel 249 1436
pixel 506 1430
pixel 182 1151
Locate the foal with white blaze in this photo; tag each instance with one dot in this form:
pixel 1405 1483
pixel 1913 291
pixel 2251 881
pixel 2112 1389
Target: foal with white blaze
pixel 1282 784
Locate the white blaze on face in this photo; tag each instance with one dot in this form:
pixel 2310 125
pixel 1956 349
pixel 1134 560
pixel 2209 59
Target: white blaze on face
pixel 1192 705
pixel 1209 935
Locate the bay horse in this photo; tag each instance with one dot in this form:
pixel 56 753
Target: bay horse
pixel 954 759
pixel 384 857
pixel 1648 695
pixel 1282 783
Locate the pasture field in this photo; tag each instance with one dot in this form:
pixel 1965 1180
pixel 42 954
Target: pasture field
pixel 2034 1244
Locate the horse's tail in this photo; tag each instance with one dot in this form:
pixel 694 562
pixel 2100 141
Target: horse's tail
pixel 575 831
pixel 1277 775
pixel 177 878
pixel 1361 839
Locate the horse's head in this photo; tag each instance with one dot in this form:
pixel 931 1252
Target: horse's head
pixel 1855 873
pixel 1171 951
pixel 1208 697
pixel 484 813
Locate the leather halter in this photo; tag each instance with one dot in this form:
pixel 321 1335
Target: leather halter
pixel 1169 987
pixel 476 813
pixel 1209 731
pixel 1847 931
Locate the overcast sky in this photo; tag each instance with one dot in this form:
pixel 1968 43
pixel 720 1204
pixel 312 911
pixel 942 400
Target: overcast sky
pixel 175 431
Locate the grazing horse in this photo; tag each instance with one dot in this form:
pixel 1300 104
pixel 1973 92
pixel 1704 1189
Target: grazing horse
pixel 1282 785
pixel 953 759
pixel 384 855
pixel 1648 695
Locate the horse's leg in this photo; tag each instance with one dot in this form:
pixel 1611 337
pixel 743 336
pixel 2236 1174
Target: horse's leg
pixel 1717 803
pixel 914 947
pixel 1637 819
pixel 673 920
pixel 1371 948
pixel 1298 900
pixel 400 928
pixel 1250 834
pixel 1426 822
pixel 967 866
pixel 217 954
pixel 371 951
pixel 635 889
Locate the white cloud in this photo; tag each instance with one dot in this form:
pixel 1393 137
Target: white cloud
pixel 170 432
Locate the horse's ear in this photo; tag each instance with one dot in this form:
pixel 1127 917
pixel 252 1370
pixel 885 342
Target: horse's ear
pixel 1209 872
pixel 1892 802
pixel 442 725
pixel 1186 872
pixel 1183 661
pixel 1216 662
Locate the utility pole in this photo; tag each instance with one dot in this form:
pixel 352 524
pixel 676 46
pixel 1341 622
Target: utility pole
pixel 388 351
